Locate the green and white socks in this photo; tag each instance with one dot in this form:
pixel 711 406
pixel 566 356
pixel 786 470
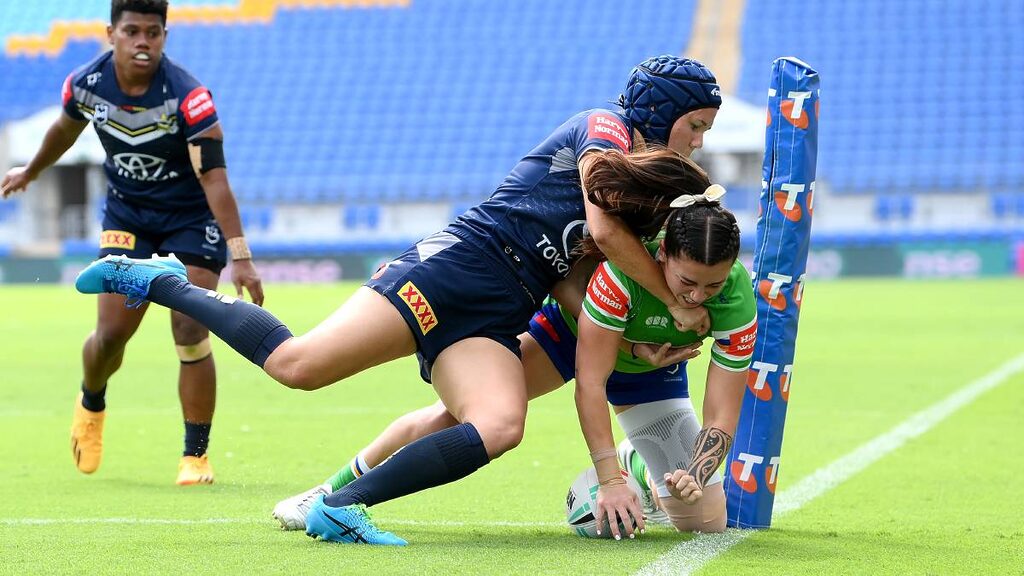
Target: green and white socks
pixel 354 469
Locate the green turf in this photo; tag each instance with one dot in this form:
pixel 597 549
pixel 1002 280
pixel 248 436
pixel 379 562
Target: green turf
pixel 870 353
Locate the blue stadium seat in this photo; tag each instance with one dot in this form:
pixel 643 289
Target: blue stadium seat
pixel 899 84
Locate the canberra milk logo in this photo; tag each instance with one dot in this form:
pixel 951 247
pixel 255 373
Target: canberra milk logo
pixel 657 321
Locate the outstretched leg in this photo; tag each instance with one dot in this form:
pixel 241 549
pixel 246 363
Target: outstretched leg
pixel 367 330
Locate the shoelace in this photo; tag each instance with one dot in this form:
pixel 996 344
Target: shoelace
pixel 306 503
pixel 135 295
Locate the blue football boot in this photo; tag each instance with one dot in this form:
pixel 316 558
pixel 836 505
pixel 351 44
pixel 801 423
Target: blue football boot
pixel 348 524
pixel 127 276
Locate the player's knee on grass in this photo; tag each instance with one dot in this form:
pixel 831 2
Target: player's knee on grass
pixel 707 515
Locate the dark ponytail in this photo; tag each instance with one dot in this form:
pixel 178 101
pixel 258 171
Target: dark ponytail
pixel 638 188
pixel 704 232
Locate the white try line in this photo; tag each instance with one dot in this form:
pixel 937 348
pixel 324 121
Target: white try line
pixel 268 521
pixel 688 557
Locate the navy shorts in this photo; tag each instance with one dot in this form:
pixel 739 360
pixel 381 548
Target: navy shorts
pixel 549 329
pixel 448 291
pixel 139 232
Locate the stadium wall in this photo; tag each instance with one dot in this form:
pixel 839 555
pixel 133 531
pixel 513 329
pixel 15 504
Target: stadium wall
pixel 907 256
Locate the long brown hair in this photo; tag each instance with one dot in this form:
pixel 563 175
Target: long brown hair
pixel 638 188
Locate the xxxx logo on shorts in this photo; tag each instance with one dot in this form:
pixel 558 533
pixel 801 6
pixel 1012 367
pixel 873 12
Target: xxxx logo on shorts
pixel 117 239
pixel 419 306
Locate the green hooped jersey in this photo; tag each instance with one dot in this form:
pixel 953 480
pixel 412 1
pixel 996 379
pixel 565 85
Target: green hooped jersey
pixel 619 303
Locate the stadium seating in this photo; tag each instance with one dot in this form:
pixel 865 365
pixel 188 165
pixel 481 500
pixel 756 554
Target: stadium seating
pixel 328 105
pixel 914 96
pixel 361 106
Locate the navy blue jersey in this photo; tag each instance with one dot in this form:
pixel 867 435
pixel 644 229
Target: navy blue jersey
pixel 145 137
pixel 535 218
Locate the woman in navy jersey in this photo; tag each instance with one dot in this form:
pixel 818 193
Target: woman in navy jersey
pixel 460 298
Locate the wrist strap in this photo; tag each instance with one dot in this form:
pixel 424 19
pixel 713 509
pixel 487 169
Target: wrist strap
pixel 239 248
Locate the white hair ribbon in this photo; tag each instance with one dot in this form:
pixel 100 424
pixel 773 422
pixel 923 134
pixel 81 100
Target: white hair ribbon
pixel 713 193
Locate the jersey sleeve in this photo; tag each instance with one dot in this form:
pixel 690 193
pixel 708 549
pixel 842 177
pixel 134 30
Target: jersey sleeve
pixel 601 130
pixel 734 323
pixel 196 110
pixel 609 297
pixel 67 96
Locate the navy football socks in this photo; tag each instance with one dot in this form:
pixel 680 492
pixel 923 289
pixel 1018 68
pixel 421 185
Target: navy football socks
pixel 433 460
pixel 250 330
pixel 197 438
pixel 94 401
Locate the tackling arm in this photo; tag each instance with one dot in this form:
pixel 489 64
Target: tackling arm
pixel 620 245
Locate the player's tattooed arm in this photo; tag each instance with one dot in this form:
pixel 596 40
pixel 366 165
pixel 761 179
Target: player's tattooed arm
pixel 709 450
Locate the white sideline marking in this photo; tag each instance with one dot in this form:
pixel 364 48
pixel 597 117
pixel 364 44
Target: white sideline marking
pixel 268 521
pixel 688 557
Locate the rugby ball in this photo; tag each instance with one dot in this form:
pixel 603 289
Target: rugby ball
pixel 581 502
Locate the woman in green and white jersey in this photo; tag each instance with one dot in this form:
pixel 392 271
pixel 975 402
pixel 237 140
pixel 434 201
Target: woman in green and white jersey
pixel 698 256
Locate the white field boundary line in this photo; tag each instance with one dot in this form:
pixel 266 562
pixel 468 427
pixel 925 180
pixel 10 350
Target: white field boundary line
pixel 688 557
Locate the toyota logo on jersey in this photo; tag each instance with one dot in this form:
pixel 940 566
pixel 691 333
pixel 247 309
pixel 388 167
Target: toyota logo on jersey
pixel 141 167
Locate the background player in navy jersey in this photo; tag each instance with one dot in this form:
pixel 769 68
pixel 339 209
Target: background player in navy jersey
pixel 168 192
pixel 507 253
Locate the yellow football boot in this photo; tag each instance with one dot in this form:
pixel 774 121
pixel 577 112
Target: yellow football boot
pixel 86 437
pixel 194 470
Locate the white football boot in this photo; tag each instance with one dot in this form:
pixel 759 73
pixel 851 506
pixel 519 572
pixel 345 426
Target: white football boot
pixel 291 512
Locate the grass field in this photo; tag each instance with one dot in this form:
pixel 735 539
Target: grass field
pixel 870 354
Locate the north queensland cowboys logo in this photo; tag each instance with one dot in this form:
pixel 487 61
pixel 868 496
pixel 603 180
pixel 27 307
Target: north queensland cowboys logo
pixel 141 167
pixel 100 114
pixel 212 234
pixel 168 124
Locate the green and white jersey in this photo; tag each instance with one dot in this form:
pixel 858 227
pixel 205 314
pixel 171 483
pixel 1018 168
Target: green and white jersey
pixel 617 302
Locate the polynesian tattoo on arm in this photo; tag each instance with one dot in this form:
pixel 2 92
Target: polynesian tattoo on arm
pixel 709 450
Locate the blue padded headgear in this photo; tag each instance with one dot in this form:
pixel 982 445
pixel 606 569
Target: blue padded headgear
pixel 662 89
